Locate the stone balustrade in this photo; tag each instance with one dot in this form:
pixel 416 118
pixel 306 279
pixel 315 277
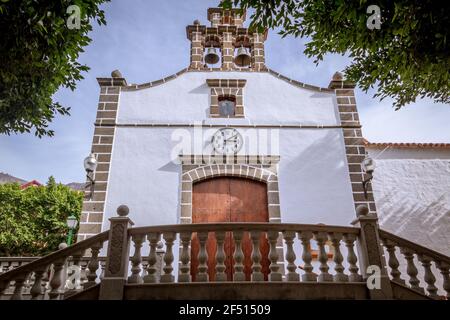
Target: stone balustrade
pixel 421 266
pixel 44 278
pixel 10 263
pixel 295 265
pixel 224 253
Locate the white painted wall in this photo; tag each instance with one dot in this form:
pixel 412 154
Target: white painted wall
pixel 267 99
pixel 313 176
pixel 412 194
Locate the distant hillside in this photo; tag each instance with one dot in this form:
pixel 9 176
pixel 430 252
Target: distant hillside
pixel 76 186
pixel 7 178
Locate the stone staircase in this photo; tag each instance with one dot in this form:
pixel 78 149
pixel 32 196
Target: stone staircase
pixel 306 262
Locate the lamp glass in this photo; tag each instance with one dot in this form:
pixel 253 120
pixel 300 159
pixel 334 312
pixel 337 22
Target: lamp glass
pixel 368 164
pixel 72 222
pixel 90 163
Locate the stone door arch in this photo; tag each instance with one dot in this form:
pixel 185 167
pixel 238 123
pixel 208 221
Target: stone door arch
pixel 203 172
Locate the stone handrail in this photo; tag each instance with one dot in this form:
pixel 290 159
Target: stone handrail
pixel 233 226
pixel 425 256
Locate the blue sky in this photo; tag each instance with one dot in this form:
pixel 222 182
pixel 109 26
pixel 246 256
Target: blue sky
pixel 146 40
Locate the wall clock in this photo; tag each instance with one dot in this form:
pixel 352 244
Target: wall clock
pixel 227 141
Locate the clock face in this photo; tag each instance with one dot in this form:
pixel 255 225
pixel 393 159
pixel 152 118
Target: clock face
pixel 227 141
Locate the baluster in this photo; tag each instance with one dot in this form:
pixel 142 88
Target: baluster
pixel 340 276
pixel 429 276
pixel 83 272
pixel 239 274
pixel 153 239
pixel 220 257
pixel 28 281
pixel 159 259
pixel 275 274
pixel 411 269
pixel 202 275
pixel 144 264
pixel 93 265
pixel 36 289
pixel 185 257
pixel 4 267
pixel 305 237
pixel 444 269
pixel 46 281
pixel 257 275
pixel 136 260
pixel 102 269
pixel 169 237
pixel 76 259
pixel 18 287
pixel 57 279
pixel 289 237
pixel 324 276
pixel 350 239
pixel 392 261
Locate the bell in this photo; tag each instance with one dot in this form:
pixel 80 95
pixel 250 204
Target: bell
pixel 211 56
pixel 242 58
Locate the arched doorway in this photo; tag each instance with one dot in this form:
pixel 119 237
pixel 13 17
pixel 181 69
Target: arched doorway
pixel 229 199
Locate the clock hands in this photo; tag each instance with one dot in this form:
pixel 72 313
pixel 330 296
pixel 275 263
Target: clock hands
pixel 229 139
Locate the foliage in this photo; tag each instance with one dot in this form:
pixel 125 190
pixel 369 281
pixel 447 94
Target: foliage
pixel 33 220
pixel 408 57
pixel 39 54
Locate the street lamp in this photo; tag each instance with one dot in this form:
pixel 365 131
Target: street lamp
pixel 72 223
pixel 90 163
pixel 368 166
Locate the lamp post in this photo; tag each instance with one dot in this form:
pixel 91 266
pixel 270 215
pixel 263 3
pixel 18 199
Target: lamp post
pixel 90 164
pixel 72 223
pixel 368 166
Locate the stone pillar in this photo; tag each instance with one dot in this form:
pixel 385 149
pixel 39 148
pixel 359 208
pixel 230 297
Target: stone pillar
pixel 238 20
pixel 227 51
pixel 117 259
pixel 197 50
pixel 93 208
pixel 215 19
pixel 370 252
pixel 353 139
pixel 258 61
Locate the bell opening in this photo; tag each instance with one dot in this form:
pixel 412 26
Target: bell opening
pixel 211 56
pixel 242 57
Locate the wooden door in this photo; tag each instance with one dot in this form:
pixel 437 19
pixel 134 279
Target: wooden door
pixel 226 199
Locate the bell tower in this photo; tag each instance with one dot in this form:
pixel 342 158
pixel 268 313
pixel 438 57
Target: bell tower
pixel 225 45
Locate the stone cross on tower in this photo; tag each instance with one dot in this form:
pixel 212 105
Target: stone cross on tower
pixel 227 34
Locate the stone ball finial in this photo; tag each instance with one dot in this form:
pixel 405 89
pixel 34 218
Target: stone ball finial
pixel 62 245
pixel 337 76
pixel 123 210
pixel 116 74
pixel 196 22
pixel 362 210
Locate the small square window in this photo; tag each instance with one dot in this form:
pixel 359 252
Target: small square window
pixel 226 98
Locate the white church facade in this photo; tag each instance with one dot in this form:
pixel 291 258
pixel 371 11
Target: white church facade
pixel 156 143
